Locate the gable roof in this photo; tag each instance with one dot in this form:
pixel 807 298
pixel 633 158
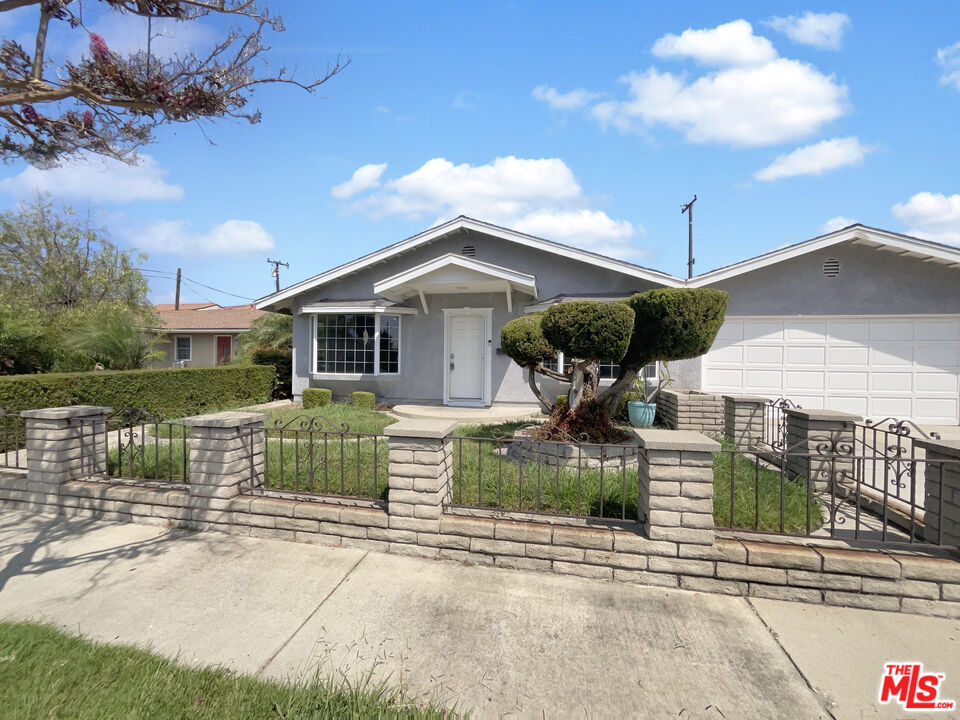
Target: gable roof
pixel 166 307
pixel 205 318
pixel 466 223
pixel 903 245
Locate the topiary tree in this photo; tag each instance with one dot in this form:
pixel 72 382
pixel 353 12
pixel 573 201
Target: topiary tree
pixel 586 332
pixel 669 324
pixel 655 326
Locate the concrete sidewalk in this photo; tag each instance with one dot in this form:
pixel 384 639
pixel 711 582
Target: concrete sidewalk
pixel 497 641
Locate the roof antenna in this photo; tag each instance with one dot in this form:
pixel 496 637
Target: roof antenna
pixel 276 270
pixel 688 208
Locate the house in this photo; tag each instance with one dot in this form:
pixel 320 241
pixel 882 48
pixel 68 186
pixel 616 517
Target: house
pixel 860 320
pixel 201 334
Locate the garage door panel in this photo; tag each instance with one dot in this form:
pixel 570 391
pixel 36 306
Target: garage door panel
pixel 891 355
pixel 882 330
pixel 764 355
pixel 848 356
pixel 799 331
pixel 848 331
pixel 891 381
pixel 937 356
pixel 901 367
pixel 762 380
pixel 854 380
pixel 937 410
pixel 938 330
pixel 898 407
pixel 937 382
pixel 805 380
pixel 806 355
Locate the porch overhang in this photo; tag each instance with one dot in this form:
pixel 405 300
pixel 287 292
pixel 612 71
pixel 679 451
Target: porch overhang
pixel 455 274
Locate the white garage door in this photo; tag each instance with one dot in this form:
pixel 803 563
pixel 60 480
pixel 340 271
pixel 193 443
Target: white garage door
pixel 903 367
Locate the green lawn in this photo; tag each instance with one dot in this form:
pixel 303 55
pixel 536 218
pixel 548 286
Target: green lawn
pixel 757 492
pixel 47 674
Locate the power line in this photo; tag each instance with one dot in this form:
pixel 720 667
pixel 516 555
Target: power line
pixel 164 274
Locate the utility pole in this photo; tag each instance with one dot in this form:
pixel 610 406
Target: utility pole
pixel 688 208
pixel 276 270
pixel 176 302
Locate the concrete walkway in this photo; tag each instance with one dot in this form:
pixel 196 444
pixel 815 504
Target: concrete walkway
pixel 497 641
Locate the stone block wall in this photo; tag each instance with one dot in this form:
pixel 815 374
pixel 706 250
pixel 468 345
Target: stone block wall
pixel 941 483
pixel 743 417
pixel 677 545
pixel 691 410
pixel 817 443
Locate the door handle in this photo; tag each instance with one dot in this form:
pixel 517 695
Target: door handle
pixel 451 364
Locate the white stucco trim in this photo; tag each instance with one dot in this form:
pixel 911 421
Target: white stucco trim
pixel 466 223
pixel 857 234
pixel 355 310
pixel 487 314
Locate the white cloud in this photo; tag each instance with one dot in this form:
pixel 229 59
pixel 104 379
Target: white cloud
pixel 933 216
pixel 820 30
pixel 236 238
pixel 732 43
pixel 766 104
pixel 97 180
pixel 573 100
pixel 364 177
pixel 816 159
pixel 537 196
pixel 837 223
pixel 949 59
pixel 464 100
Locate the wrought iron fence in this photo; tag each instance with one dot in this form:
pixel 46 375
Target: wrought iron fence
pixel 774 432
pixel 13 440
pixel 825 492
pixel 535 473
pixel 310 454
pixel 134 443
pixel 890 460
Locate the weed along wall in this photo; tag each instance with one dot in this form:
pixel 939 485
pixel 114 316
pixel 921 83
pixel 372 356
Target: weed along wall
pixel 673 543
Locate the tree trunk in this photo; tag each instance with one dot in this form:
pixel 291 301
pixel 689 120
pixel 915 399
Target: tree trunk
pixel 576 387
pixel 536 391
pixel 610 398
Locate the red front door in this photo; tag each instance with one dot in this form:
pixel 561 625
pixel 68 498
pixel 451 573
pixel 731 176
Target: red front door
pixel 224 344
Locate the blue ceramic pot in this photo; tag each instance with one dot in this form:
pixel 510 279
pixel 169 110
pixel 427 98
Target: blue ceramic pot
pixel 641 413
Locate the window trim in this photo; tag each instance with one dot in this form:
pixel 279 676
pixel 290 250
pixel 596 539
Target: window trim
pixel 608 381
pixel 376 344
pixel 177 359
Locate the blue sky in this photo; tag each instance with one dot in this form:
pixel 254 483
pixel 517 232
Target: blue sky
pixel 589 124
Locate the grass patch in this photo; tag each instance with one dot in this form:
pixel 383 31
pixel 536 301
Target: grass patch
pixel 47 674
pixel 756 496
pixel 152 461
pixel 484 476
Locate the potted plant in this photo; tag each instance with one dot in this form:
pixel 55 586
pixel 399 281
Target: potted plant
pixel 642 412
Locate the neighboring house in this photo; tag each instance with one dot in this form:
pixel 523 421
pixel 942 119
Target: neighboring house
pixel 860 319
pixel 201 334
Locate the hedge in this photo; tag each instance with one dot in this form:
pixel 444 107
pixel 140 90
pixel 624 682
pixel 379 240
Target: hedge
pixel 316 397
pixel 282 360
pixel 170 392
pixel 364 399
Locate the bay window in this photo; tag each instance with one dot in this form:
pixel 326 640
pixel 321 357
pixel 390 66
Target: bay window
pixel 357 344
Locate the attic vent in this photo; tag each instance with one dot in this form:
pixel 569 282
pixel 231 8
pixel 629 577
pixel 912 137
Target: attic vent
pixel 831 267
pixel 468 250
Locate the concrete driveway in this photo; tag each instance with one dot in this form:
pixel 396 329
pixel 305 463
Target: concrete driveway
pixel 495 641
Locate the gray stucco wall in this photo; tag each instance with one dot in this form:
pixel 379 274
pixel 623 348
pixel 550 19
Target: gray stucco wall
pixel 204 350
pixel 421 336
pixel 871 282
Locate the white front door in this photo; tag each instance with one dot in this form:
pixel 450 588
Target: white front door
pixel 466 361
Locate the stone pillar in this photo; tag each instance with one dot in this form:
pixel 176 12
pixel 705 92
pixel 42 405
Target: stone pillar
pixel 743 419
pixel 63 444
pixel 226 456
pixel 675 473
pixel 941 490
pixel 421 473
pixel 682 409
pixel 820 445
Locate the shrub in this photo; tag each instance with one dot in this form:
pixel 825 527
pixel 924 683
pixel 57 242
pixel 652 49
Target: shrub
pixel 282 360
pixel 561 402
pixel 589 330
pixel 170 392
pixel 363 399
pixel 316 397
pixel 673 324
pixel 523 342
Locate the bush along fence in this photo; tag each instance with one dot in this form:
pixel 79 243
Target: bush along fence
pixel 445 496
